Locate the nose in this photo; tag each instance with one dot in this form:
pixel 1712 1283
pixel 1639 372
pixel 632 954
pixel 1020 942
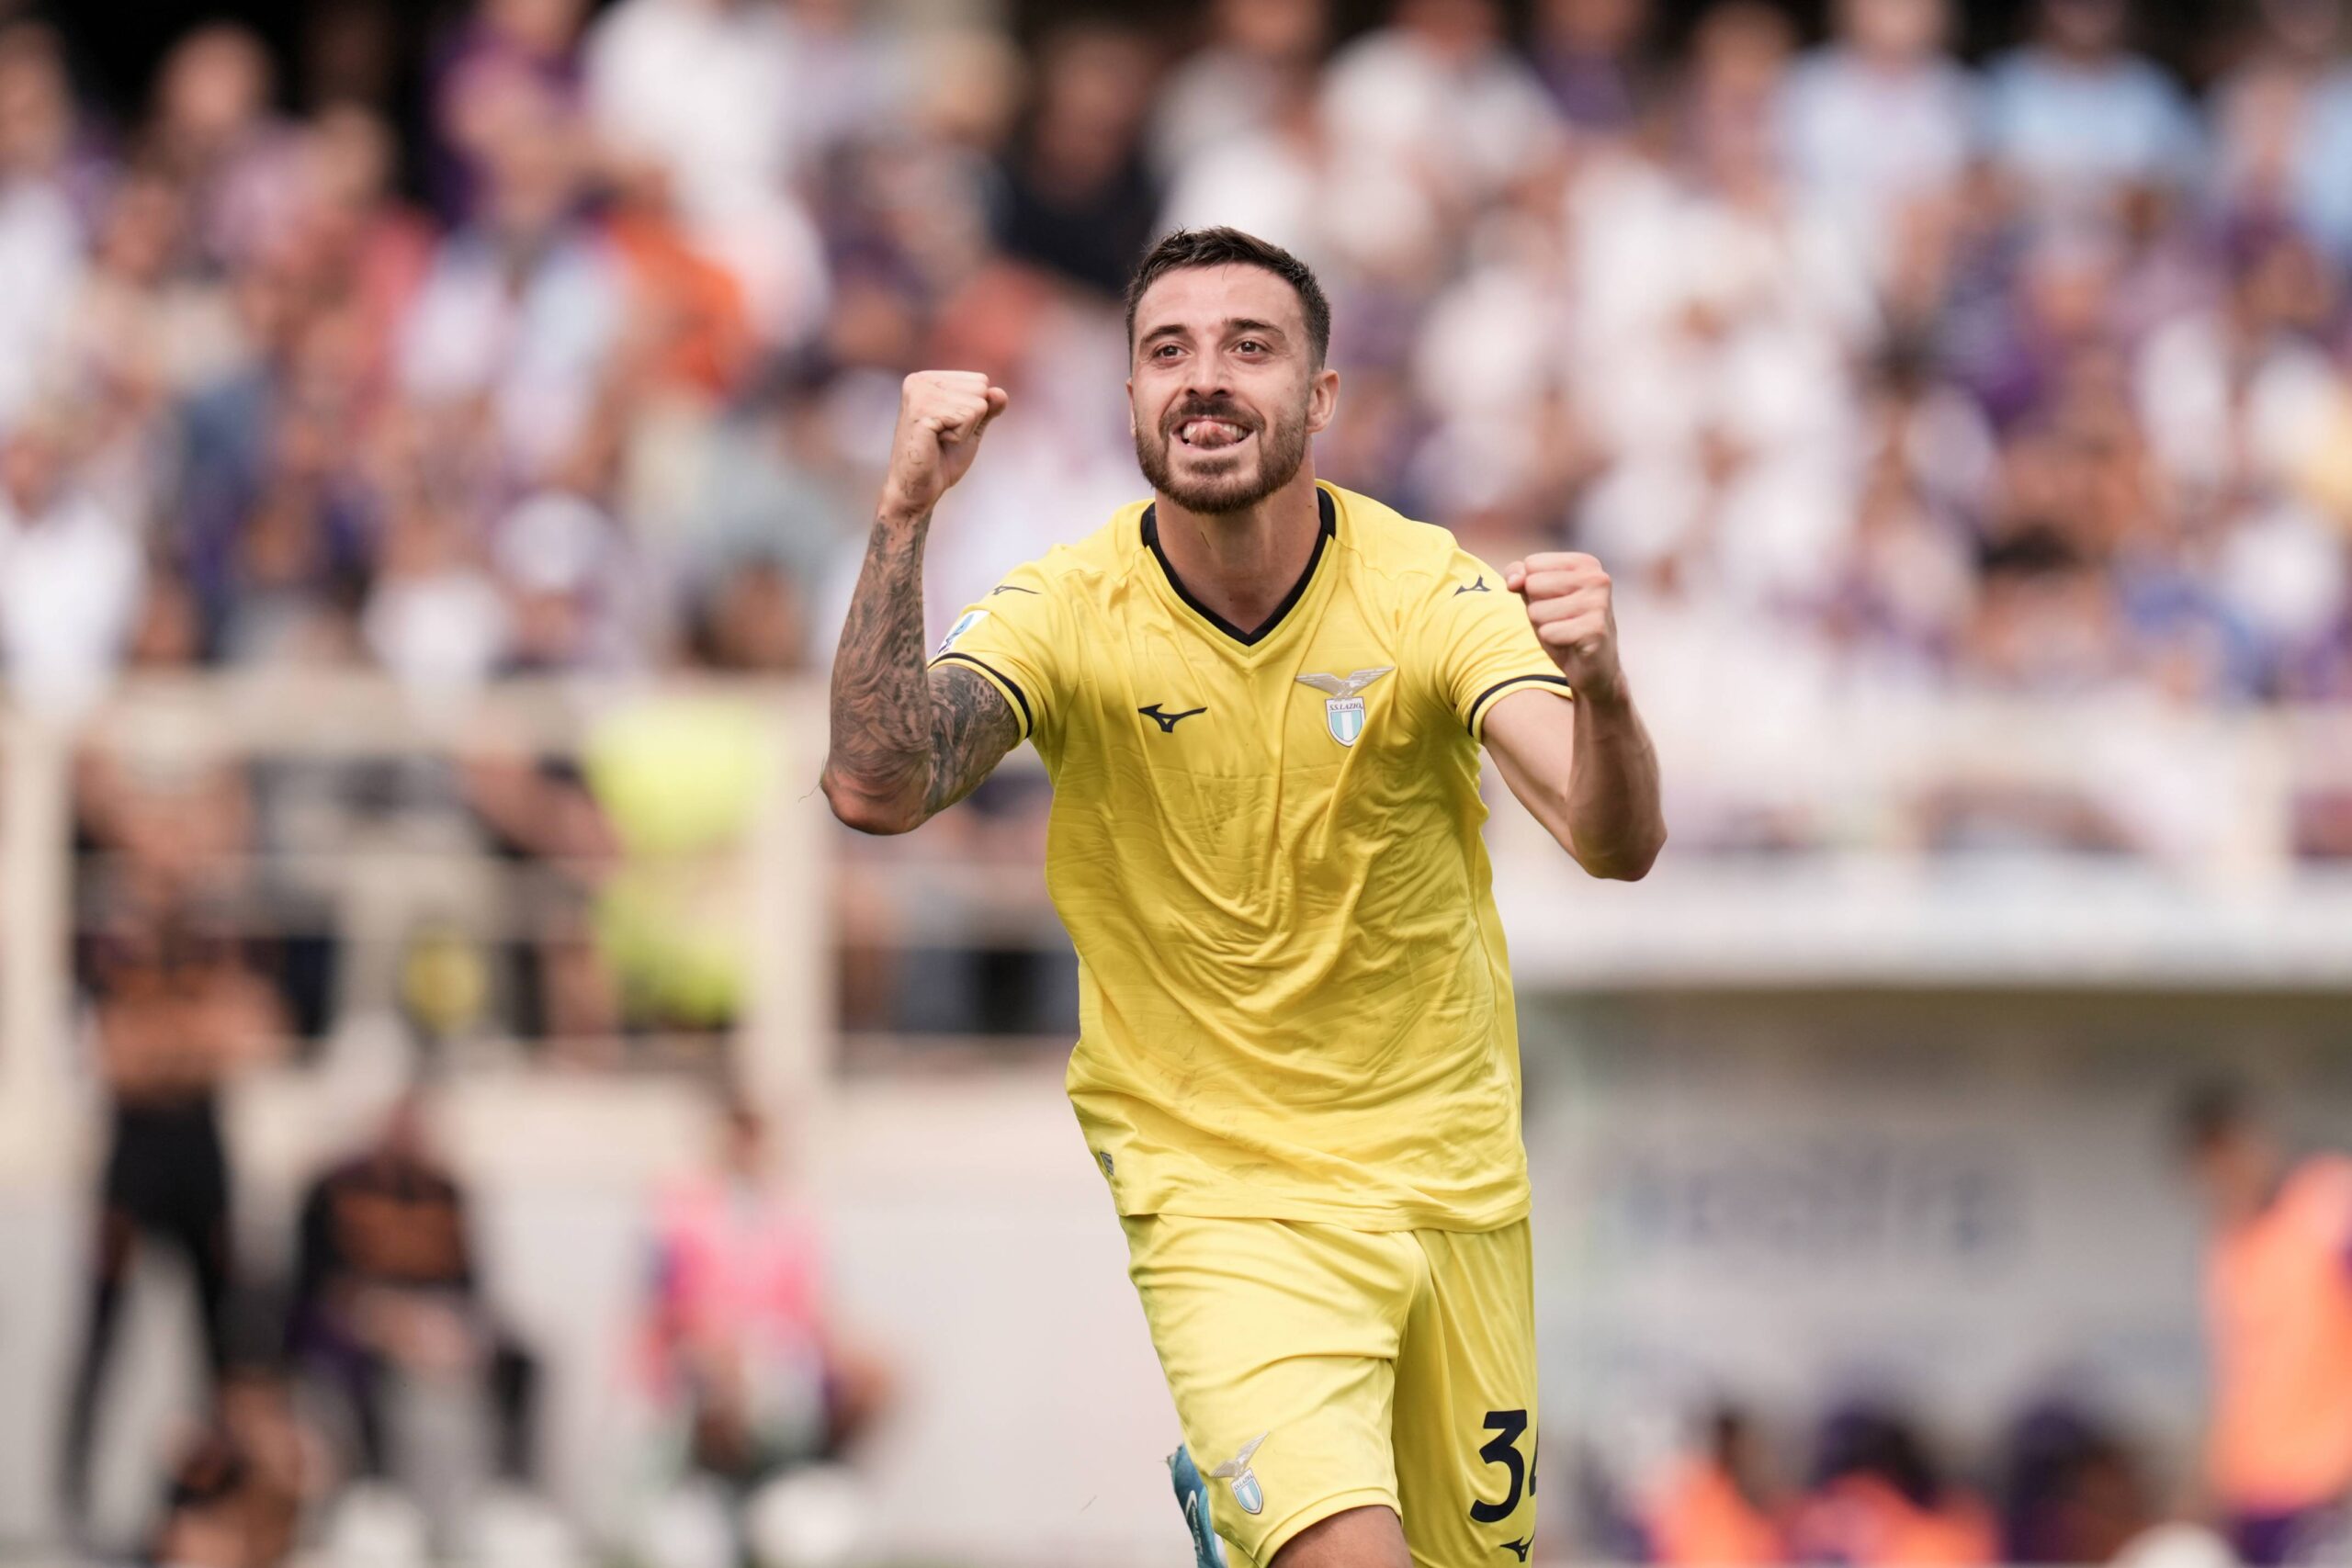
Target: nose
pixel 1205 379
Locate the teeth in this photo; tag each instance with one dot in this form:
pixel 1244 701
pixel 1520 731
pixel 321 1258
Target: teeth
pixel 1209 431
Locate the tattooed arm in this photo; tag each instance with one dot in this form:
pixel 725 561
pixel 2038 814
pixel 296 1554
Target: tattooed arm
pixel 907 742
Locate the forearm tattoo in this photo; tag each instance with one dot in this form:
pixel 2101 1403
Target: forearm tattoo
pixel 971 729
pixel 916 738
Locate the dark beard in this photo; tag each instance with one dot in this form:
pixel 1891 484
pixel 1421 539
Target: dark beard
pixel 1281 448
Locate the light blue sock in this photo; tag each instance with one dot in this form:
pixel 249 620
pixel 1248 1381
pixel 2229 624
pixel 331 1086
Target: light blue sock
pixel 1193 1496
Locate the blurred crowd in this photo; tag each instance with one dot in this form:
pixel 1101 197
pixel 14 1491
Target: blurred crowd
pixel 2026 377
pixel 366 1401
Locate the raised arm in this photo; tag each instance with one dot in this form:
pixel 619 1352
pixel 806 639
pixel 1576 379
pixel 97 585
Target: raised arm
pixel 908 742
pixel 1585 769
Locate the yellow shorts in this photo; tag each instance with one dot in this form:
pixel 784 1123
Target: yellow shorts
pixel 1317 1369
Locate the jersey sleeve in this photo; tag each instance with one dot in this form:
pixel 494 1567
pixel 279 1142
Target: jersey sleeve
pixel 1011 638
pixel 1482 644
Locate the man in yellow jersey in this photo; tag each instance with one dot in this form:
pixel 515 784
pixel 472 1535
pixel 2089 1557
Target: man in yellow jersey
pixel 1260 699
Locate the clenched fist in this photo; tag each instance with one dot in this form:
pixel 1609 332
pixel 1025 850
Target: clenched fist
pixel 942 414
pixel 1567 599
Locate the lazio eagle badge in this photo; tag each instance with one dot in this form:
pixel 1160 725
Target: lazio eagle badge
pixel 1343 702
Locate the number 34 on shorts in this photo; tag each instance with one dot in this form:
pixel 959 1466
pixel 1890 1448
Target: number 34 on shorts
pixel 1317 1369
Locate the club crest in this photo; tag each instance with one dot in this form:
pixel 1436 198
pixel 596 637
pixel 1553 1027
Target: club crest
pixel 1343 709
pixel 1248 1495
pixel 964 623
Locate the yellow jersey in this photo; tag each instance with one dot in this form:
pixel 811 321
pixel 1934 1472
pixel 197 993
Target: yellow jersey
pixel 1294 998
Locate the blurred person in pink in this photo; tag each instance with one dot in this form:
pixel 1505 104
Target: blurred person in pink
pixel 739 1346
pixel 2278 1312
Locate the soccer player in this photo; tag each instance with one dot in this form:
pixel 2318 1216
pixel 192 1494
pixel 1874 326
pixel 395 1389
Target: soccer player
pixel 1261 700
pixel 2278 1308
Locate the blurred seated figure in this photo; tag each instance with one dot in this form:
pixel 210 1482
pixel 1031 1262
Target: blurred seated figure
pixel 1878 1499
pixel 2074 1493
pixel 2278 1306
pixel 386 1284
pixel 1712 1509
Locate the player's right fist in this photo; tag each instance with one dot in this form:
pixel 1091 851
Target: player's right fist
pixel 942 414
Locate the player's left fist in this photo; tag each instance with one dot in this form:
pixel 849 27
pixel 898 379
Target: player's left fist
pixel 1568 601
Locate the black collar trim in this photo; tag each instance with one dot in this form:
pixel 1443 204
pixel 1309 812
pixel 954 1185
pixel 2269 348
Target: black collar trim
pixel 1330 514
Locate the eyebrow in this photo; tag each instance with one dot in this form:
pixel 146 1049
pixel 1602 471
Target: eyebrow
pixel 1231 324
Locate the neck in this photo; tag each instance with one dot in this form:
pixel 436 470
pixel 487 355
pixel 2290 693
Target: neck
pixel 1243 564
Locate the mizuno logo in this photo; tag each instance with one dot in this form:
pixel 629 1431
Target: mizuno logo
pixel 1012 588
pixel 1168 721
pixel 1477 587
pixel 1519 1548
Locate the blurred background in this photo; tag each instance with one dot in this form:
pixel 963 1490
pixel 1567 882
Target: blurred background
pixel 463 1100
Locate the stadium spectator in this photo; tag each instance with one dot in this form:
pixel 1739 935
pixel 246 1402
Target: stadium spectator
pixel 2278 1308
pixel 386 1286
pixel 1237 82
pixel 708 89
pixel 176 1012
pixel 1078 194
pixel 2283 123
pixel 748 1373
pixel 1880 120
pixel 1438 94
pixel 1589 54
pixel 1712 1508
pixel 69 572
pixel 216 133
pixel 2079 120
pixel 537 41
pixel 523 311
pixel 2073 1491
pixel 1878 1498
pixel 43 186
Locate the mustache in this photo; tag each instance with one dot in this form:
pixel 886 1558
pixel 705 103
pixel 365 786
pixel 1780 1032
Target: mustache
pixel 1206 408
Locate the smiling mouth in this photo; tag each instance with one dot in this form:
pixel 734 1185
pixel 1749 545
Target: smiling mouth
pixel 1203 434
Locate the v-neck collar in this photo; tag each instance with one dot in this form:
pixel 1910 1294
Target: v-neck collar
pixel 1325 507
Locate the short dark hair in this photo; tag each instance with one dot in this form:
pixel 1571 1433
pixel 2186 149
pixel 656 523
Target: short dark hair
pixel 2208 1114
pixel 1231 247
